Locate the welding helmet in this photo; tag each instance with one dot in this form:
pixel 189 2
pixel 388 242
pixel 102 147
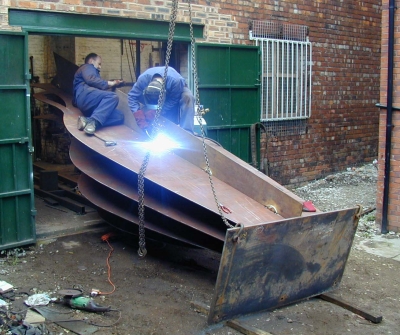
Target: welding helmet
pixel 151 94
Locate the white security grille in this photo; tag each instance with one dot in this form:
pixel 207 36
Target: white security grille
pixel 286 70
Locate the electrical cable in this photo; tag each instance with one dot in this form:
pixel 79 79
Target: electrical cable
pixel 111 324
pixel 105 238
pixel 85 320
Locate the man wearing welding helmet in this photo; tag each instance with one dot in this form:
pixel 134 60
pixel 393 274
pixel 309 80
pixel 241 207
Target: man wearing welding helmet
pixel 178 104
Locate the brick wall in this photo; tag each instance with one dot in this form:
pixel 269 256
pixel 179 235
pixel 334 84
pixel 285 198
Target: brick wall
pixel 343 128
pixel 393 217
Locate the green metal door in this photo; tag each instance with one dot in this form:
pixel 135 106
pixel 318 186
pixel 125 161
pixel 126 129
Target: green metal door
pixel 17 213
pixel 229 82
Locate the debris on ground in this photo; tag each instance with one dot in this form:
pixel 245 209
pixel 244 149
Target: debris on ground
pixel 349 188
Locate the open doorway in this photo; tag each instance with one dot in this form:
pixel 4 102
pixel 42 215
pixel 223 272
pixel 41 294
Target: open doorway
pixel 121 59
pixel 53 61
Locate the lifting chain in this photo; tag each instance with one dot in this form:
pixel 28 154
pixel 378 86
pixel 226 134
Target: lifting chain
pixel 199 116
pixel 142 238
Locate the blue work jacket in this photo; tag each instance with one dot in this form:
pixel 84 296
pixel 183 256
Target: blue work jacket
pixel 173 89
pixel 86 78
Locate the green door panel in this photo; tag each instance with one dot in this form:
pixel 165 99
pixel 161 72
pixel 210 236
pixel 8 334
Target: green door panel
pixel 13 115
pixel 233 139
pixel 17 212
pixel 12 73
pixel 229 82
pixel 245 64
pixel 15 217
pixel 13 162
pixel 212 65
pixel 245 106
pixel 219 104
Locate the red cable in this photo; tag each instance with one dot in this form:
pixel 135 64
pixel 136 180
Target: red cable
pixel 105 238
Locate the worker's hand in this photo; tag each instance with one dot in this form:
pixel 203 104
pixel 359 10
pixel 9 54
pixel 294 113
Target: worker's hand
pixel 141 119
pixel 150 115
pixel 115 82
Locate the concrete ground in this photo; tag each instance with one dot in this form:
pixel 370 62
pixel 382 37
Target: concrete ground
pixel 53 221
pixel 382 246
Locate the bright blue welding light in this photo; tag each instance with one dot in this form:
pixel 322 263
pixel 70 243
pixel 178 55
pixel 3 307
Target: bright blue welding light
pixel 161 143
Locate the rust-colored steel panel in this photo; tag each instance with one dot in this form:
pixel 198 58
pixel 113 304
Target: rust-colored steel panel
pixel 165 204
pixel 121 213
pixel 228 171
pixel 278 263
pixel 176 184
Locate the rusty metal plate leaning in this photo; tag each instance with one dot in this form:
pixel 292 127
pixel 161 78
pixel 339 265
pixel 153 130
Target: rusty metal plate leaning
pixel 279 263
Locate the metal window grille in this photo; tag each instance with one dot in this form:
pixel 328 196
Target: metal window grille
pixel 286 70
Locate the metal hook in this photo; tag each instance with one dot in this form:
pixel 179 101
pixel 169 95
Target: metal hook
pixel 359 212
pixel 142 252
pixel 235 237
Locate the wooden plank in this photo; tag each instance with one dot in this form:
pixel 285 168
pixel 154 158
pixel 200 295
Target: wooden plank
pixel 234 324
pixel 337 301
pixel 34 318
pixel 245 328
pixel 63 201
pixel 200 307
pixel 50 201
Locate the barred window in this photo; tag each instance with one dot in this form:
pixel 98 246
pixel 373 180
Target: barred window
pixel 286 70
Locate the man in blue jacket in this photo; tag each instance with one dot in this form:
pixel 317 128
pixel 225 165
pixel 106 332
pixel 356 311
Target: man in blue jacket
pixel 92 97
pixel 178 104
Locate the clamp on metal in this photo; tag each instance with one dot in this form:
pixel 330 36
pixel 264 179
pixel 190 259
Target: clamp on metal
pixel 225 209
pixel 272 208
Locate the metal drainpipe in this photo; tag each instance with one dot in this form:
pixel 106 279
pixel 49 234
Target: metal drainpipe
pixel 389 114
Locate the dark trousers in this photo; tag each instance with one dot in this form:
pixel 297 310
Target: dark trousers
pixel 101 106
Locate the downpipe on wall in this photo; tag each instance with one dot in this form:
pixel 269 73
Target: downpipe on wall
pixel 389 117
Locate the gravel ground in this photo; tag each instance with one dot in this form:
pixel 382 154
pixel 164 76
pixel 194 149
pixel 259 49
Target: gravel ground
pixel 355 186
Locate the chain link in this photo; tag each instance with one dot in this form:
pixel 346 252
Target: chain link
pixel 156 126
pixel 199 118
pixel 154 131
